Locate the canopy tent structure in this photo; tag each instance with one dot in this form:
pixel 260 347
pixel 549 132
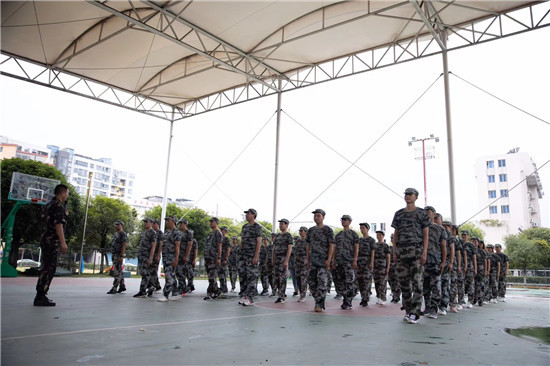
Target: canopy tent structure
pixel 176 59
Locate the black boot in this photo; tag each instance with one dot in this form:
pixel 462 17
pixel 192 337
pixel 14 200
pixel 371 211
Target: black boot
pixel 42 300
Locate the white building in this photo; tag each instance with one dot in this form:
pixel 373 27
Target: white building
pixel 511 189
pixel 10 148
pixel 147 203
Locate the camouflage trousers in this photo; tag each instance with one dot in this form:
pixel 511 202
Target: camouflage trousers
pixel 492 291
pixel 445 290
pixel 145 271
pixel 279 277
pixel 317 281
pixel 270 277
pixel 394 284
pixel 346 277
pixel 222 277
pixel 211 272
pixel 233 272
pixel 264 278
pixel 189 271
pixel 453 288
pixel 409 275
pixel 486 292
pixel 380 282
pixel 49 265
pixel 170 284
pixel 301 278
pixel 364 279
pixel 479 285
pixel 154 273
pixel 248 277
pixel 181 277
pixel 337 281
pixel 460 287
pixel 329 280
pixel 469 284
pixel 432 289
pixel 118 274
pixel 502 285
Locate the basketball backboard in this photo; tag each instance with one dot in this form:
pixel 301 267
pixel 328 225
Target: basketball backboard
pixel 31 188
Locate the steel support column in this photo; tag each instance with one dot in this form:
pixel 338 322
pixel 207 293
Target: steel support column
pixel 164 197
pixel 276 179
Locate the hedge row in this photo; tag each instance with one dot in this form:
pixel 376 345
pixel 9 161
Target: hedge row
pixel 533 279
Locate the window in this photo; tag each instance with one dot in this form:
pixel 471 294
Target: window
pixel 503 193
pixel 490 164
pixel 491 178
pixel 502 163
pixel 373 227
pixel 493 194
pixel 502 177
pixel 505 209
pixel 383 226
pixel 493 209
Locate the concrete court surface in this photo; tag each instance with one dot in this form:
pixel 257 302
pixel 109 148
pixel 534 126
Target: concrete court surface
pixel 89 327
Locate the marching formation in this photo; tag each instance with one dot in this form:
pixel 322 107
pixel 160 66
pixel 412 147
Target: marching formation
pixel 426 263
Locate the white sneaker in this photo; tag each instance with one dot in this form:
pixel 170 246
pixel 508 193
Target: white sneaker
pixel 381 302
pixel 432 315
pixel 485 302
pixel 302 299
pixel 469 305
pixel 241 300
pixel 459 307
pixel 174 298
pixel 406 318
pixel 442 312
pixel 163 299
pixel 502 299
pixel 247 302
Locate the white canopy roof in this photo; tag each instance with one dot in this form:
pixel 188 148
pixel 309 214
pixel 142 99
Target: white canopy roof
pixel 188 57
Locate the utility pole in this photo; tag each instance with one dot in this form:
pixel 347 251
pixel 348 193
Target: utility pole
pixel 430 155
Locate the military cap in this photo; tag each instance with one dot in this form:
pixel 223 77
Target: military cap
pixel 213 218
pixel 155 221
pixel 430 208
pixel 148 219
pixel 448 223
pixel 265 237
pixel 381 232
pixel 318 210
pixel 490 246
pixel 252 211
pixel 285 221
pixel 171 218
pixel 411 191
pixel 439 215
pixel 119 222
pixel 183 221
pixel 464 232
pixel 224 228
pixel 345 217
pixel 365 224
pixel 303 228
pixel 498 246
pixel 235 237
pixel 475 238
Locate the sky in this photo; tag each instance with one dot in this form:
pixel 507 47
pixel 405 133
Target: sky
pixel 358 116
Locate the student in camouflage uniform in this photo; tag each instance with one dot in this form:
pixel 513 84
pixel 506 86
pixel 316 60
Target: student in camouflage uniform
pixel 190 266
pixel 234 263
pixel 487 271
pixel 381 270
pixel 504 263
pixel 118 251
pixel 435 264
pixel 411 234
pixel 345 254
pixel 264 279
pixel 156 258
pixel 251 241
pixel 184 262
pixel 365 264
pixel 212 258
pixel 226 252
pixel 300 261
pixel 319 248
pixel 171 240
pixel 447 269
pixel 450 293
pixel 480 273
pixel 494 272
pixel 269 264
pixel 282 249
pixel 392 279
pixel 460 256
pixel 54 215
pixel 470 267
pixel 147 245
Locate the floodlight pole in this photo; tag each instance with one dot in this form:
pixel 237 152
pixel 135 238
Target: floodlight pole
pixel 414 139
pixel 275 185
pixel 90 177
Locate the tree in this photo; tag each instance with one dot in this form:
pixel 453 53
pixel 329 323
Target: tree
pixel 28 223
pixel 473 229
pixel 102 213
pixel 525 253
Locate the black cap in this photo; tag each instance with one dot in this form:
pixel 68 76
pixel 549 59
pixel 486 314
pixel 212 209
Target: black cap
pixel 430 208
pixel 365 224
pixel 285 221
pixel 148 219
pixel 318 210
pixel 119 222
pixel 171 218
pixel 411 191
pixel 224 228
pixel 252 211
pixel 345 217
pixel 498 246
pixel 447 223
pixel 490 246
pixel 183 221
pixel 303 228
pixel 381 232
pixel 464 232
pixel 214 219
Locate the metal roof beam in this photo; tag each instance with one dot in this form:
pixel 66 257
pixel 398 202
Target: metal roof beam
pixel 427 23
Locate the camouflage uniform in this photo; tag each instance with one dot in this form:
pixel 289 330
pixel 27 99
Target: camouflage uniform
pixel 264 278
pixel 344 246
pixel 392 279
pixel 459 251
pixel 269 267
pixel 169 240
pixel 379 271
pixel 183 267
pixel 432 272
pixel 493 277
pixel 300 262
pixel 116 248
pixel 280 247
pixel 154 268
pixel 190 266
pixel 450 292
pixel 409 249
pixel 363 272
pixel 502 279
pixel 469 287
pixel 223 269
pixel 233 263
pixel 445 297
pixel 319 240
pixel 480 277
pixel 210 256
pixel 248 272
pixel 148 237
pixel 53 213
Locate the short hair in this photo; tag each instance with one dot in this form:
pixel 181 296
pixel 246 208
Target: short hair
pixel 60 188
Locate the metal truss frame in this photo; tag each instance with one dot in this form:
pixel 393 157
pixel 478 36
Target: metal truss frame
pixel 263 80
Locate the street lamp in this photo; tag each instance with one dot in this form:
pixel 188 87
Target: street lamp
pixel 424 157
